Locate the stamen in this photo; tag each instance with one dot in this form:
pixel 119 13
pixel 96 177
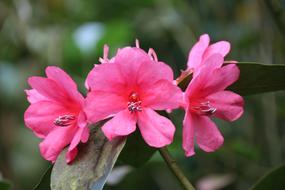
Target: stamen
pixel 105 55
pixel 134 104
pixel 137 43
pixel 204 108
pixel 152 54
pixel 64 120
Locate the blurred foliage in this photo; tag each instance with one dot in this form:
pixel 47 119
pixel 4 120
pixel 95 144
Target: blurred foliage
pixel 5 185
pixel 71 34
pixel 273 180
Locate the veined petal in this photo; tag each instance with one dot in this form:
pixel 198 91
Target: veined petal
pixel 188 134
pixel 157 131
pixel 229 105
pixel 162 95
pixel 122 124
pixel 40 116
pixel 100 105
pixel 208 137
pixel 65 82
pixel 55 142
pixel 196 53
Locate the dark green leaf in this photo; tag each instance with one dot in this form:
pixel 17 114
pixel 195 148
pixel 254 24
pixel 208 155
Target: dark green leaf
pixel 273 180
pixel 92 165
pixel 5 185
pixel 44 182
pixel 258 78
pixel 136 152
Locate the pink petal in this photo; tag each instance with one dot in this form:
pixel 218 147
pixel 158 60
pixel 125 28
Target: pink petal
pixel 82 120
pixel 204 77
pixel 65 82
pixel 207 135
pixel 70 155
pixel 77 138
pixel 229 105
pixel 122 124
pixel 222 78
pixel 221 47
pixel 55 142
pixel 85 135
pixel 131 61
pixel 156 130
pixel 188 135
pixel 208 82
pixel 196 53
pixel 82 135
pixel 34 96
pixel 162 95
pixel 114 77
pixel 100 105
pixel 48 88
pixel 152 72
pixel 40 117
pixel 105 77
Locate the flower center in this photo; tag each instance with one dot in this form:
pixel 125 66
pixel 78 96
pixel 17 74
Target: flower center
pixel 134 103
pixel 203 108
pixel 64 120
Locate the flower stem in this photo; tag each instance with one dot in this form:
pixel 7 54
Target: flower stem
pixel 171 163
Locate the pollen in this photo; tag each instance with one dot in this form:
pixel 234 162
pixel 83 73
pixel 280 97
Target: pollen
pixel 134 103
pixel 64 120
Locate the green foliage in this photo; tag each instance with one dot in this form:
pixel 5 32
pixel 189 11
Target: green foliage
pixel 258 78
pixel 273 180
pixel 44 182
pixel 5 185
pixel 92 165
pixel 136 152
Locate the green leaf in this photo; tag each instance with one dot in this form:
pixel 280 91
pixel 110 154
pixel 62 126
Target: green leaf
pixel 273 180
pixel 44 182
pixel 136 152
pixel 259 78
pixel 92 165
pixel 5 185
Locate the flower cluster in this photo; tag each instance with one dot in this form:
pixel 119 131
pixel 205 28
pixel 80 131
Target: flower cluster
pixel 127 89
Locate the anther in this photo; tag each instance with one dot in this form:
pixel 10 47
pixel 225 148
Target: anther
pixel 64 120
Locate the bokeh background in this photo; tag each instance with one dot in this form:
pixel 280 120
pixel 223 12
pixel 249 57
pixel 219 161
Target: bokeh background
pixel 71 34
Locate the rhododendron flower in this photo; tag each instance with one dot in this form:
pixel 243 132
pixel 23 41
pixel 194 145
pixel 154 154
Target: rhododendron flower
pixel 206 97
pixel 56 114
pixel 203 50
pixel 129 89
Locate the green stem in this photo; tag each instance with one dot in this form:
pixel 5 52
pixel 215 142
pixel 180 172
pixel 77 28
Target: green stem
pixel 171 163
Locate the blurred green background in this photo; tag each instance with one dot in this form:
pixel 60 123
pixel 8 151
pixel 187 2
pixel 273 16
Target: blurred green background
pixel 71 34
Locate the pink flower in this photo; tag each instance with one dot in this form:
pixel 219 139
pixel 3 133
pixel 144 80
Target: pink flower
pixel 202 50
pixel 56 114
pixel 206 97
pixel 129 89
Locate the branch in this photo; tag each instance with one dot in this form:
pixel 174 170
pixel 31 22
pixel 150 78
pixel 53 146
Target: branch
pixel 171 163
